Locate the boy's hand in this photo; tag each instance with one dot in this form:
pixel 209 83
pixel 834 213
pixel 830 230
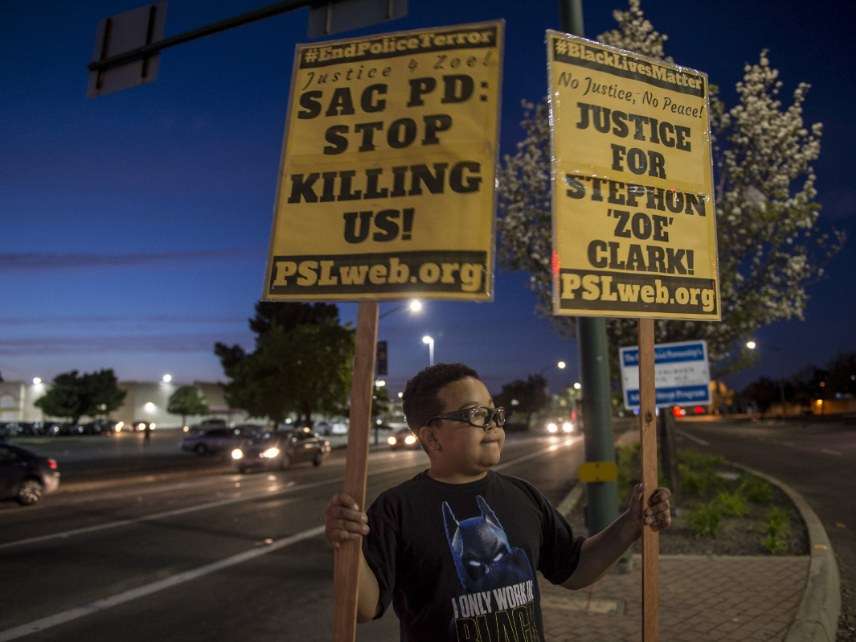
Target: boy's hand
pixel 344 521
pixel 658 513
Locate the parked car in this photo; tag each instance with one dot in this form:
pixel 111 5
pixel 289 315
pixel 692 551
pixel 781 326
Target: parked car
pixel 25 476
pixel 209 442
pixel 403 439
pixel 210 424
pixel 331 428
pixel 140 425
pixel 280 450
pixel 103 427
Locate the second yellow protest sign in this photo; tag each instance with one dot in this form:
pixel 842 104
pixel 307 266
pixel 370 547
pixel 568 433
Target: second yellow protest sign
pixel 386 187
pixel 634 223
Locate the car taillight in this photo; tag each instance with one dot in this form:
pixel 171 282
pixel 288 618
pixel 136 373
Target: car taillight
pixel 52 464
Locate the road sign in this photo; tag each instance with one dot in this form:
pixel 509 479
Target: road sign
pixel 122 33
pixel 681 374
pixel 386 188
pixel 327 18
pixel 634 223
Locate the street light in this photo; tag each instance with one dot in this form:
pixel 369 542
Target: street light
pixel 380 383
pixel 751 344
pixel 561 365
pixel 414 306
pixel 429 341
pixel 37 381
pixel 167 378
pixel 578 385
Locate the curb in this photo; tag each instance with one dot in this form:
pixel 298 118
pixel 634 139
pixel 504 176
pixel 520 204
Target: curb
pixel 816 619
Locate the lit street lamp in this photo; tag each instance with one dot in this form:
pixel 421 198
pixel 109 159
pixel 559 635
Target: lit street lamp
pixel 751 344
pixel 167 378
pixel 414 306
pixel 429 341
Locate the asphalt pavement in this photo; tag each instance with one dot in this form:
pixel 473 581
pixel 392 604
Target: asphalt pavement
pixel 210 555
pixel 816 458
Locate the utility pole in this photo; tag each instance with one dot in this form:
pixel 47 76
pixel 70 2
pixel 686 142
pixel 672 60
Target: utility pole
pixel 601 496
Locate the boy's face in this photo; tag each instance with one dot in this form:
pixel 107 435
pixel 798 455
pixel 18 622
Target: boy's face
pixel 464 448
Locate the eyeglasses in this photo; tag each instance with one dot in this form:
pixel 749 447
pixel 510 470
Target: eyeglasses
pixel 478 416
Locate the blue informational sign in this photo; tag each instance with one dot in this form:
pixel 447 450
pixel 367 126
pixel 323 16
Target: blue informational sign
pixel 681 374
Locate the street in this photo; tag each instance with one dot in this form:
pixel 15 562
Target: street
pixel 818 460
pixel 211 556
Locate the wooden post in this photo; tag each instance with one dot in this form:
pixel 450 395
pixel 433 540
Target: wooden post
pixel 648 427
pixel 347 556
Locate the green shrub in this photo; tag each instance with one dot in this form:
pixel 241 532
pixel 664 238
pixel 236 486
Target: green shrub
pixel 702 483
pixel 756 490
pixel 699 461
pixel 778 534
pixel 731 504
pixel 704 520
pixel 629 463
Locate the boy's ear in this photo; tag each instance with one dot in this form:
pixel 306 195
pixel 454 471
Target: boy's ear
pixel 428 437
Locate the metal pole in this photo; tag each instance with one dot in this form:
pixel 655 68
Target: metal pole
pixel 431 353
pixel 142 53
pixel 601 497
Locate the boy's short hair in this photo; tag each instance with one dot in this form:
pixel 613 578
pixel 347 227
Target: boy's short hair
pixel 420 395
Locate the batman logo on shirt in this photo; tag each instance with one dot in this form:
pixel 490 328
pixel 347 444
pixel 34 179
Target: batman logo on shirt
pixel 484 558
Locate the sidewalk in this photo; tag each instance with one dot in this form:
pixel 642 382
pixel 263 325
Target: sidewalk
pixel 701 598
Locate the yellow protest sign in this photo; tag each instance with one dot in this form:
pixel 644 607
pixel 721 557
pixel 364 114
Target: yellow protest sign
pixel 386 187
pixel 634 223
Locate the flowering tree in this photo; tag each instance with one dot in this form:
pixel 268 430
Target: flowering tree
pixel 770 245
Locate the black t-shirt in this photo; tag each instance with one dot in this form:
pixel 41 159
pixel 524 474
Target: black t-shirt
pixel 458 561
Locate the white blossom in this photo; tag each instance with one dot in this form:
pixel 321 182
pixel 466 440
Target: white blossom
pixel 771 247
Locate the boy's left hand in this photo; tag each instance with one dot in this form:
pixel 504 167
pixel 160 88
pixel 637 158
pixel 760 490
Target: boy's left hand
pixel 658 513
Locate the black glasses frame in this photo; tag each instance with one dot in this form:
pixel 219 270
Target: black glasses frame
pixel 495 416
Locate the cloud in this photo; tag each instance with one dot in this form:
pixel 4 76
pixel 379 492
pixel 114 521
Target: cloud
pixel 33 261
pixel 136 319
pixel 169 343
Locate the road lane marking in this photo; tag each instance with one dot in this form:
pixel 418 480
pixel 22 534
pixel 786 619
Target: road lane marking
pixel 63 617
pixel 148 589
pixel 827 451
pixel 698 440
pixel 219 503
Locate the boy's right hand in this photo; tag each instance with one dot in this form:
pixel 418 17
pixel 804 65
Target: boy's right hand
pixel 344 521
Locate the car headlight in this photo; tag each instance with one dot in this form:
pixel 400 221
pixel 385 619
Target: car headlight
pixel 271 452
pixel 391 441
pixel 567 426
pixel 410 440
pixel 119 426
pixel 153 425
pixel 552 427
pixel 237 454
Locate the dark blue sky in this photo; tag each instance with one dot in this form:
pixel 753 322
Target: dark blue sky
pixel 135 226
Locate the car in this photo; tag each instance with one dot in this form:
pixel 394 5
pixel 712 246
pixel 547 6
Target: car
pixel 103 427
pixel 402 439
pixel 211 442
pixel 140 425
pixel 25 476
pixel 280 450
pixel 331 428
pixel 210 424
pixel 559 426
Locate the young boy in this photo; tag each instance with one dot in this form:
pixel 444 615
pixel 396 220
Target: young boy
pixel 456 547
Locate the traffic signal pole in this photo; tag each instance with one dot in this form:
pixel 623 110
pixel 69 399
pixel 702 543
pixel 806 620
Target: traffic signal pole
pixel 601 496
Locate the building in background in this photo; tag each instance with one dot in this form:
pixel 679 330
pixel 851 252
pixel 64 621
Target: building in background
pixel 144 401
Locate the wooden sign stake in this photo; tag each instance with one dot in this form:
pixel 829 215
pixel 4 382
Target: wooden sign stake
pixel 648 427
pixel 347 557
